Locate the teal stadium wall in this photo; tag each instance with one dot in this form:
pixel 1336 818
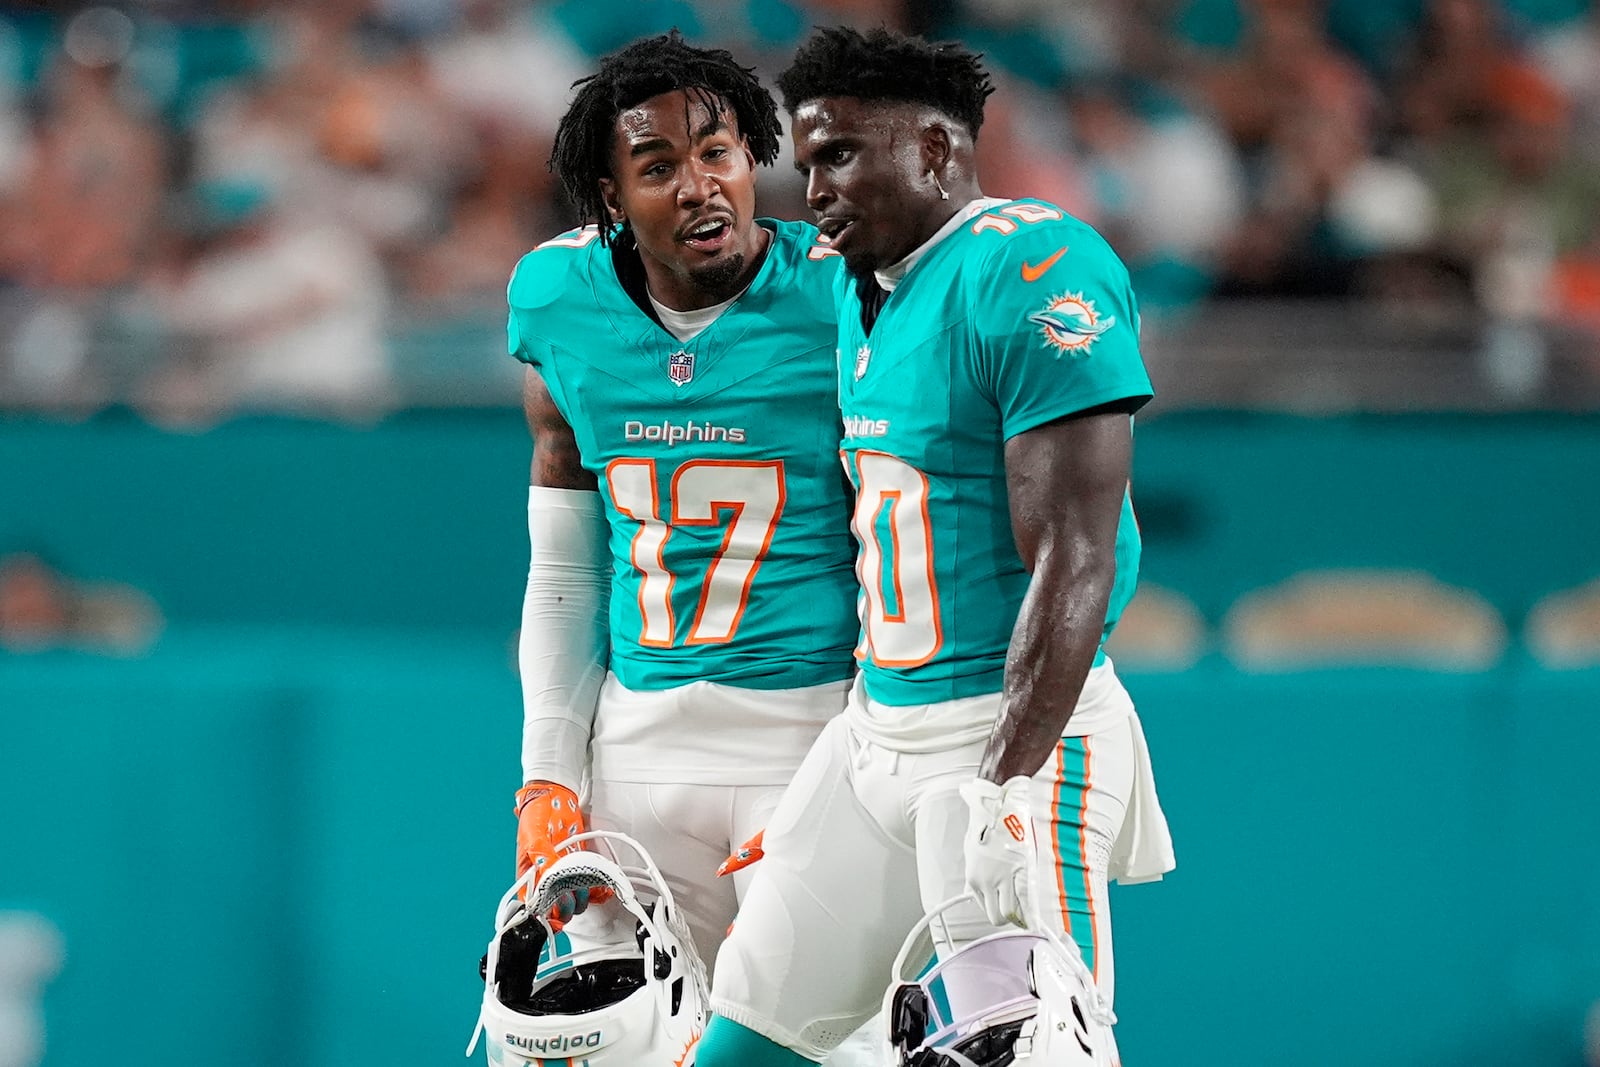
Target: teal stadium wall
pixel 277 837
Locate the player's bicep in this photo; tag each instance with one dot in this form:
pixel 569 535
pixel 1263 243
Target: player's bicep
pixel 1066 479
pixel 557 463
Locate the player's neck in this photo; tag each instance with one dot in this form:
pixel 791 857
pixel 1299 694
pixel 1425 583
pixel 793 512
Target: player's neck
pixel 940 212
pixel 889 277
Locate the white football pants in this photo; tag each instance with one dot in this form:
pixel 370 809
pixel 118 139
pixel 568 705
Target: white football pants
pixel 866 838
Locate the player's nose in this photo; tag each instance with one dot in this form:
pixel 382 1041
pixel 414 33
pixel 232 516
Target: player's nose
pixel 819 190
pixel 696 186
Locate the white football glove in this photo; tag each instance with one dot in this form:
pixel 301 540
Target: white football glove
pixel 999 847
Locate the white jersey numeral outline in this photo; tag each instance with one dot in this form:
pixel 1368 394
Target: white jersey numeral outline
pixel 1022 212
pixel 913 633
pixel 571 239
pixel 701 492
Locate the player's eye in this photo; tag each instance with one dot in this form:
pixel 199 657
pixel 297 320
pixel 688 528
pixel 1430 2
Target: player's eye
pixel 839 156
pixel 716 153
pixel 657 170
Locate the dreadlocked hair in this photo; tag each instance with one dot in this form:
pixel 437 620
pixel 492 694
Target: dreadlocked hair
pixel 883 65
pixel 581 155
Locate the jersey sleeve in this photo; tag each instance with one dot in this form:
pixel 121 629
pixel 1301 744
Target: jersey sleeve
pixel 1055 327
pixel 535 299
pixel 514 337
pixel 539 288
pixel 518 290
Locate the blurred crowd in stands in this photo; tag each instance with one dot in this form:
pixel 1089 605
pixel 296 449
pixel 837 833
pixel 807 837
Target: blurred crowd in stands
pixel 315 205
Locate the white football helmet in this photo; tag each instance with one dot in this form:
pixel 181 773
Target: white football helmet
pixel 640 1002
pixel 1019 997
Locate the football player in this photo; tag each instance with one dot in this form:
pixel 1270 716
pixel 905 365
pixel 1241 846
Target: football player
pixel 989 371
pixel 690 610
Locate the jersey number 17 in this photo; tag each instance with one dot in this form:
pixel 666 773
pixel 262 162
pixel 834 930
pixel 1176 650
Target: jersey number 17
pixel 749 497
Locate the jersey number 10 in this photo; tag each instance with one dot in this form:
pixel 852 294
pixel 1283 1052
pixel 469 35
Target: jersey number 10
pixel 702 493
pixel 896 568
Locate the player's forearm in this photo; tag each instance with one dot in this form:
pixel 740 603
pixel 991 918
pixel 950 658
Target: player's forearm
pixel 1066 480
pixel 562 661
pixel 563 649
pixel 1052 649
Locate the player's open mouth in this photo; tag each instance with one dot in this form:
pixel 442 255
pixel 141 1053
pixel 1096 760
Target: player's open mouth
pixel 709 235
pixel 832 229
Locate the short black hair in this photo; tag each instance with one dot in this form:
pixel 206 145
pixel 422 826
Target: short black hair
pixel 581 155
pixel 884 65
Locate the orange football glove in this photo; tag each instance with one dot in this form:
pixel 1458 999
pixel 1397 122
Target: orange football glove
pixel 748 853
pixel 548 814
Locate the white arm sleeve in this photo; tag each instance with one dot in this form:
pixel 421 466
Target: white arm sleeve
pixel 564 645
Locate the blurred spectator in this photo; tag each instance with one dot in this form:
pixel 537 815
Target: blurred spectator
pixel 1445 83
pixel 267 310
pixel 1023 150
pixel 1570 54
pixel 391 144
pixel 491 225
pixel 82 216
pixel 16 134
pixel 1514 199
pixel 1522 211
pixel 507 68
pixel 1165 189
pixel 262 129
pixel 1302 115
pixel 41 610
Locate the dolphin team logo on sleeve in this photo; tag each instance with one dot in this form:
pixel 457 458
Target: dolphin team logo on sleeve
pixel 680 367
pixel 863 357
pixel 693 1043
pixel 1069 323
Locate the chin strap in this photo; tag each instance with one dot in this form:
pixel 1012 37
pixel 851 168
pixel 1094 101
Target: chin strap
pixel 514 912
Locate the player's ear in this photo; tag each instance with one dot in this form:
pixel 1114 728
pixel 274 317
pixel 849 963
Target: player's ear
pixel 749 156
pixel 936 147
pixel 608 193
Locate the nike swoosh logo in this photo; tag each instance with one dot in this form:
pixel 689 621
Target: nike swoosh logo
pixel 1033 274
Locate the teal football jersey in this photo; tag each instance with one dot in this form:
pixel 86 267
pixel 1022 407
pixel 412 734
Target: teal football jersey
pixel 1020 316
pixel 717 460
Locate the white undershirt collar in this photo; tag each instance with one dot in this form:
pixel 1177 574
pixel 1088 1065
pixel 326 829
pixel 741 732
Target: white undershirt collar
pixel 890 276
pixel 686 325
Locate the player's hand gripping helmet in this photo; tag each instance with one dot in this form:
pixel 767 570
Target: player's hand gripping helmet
pixel 1019 997
pixel 637 1003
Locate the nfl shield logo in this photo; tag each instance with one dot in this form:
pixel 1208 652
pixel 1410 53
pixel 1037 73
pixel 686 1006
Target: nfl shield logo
pixel 680 367
pixel 863 354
